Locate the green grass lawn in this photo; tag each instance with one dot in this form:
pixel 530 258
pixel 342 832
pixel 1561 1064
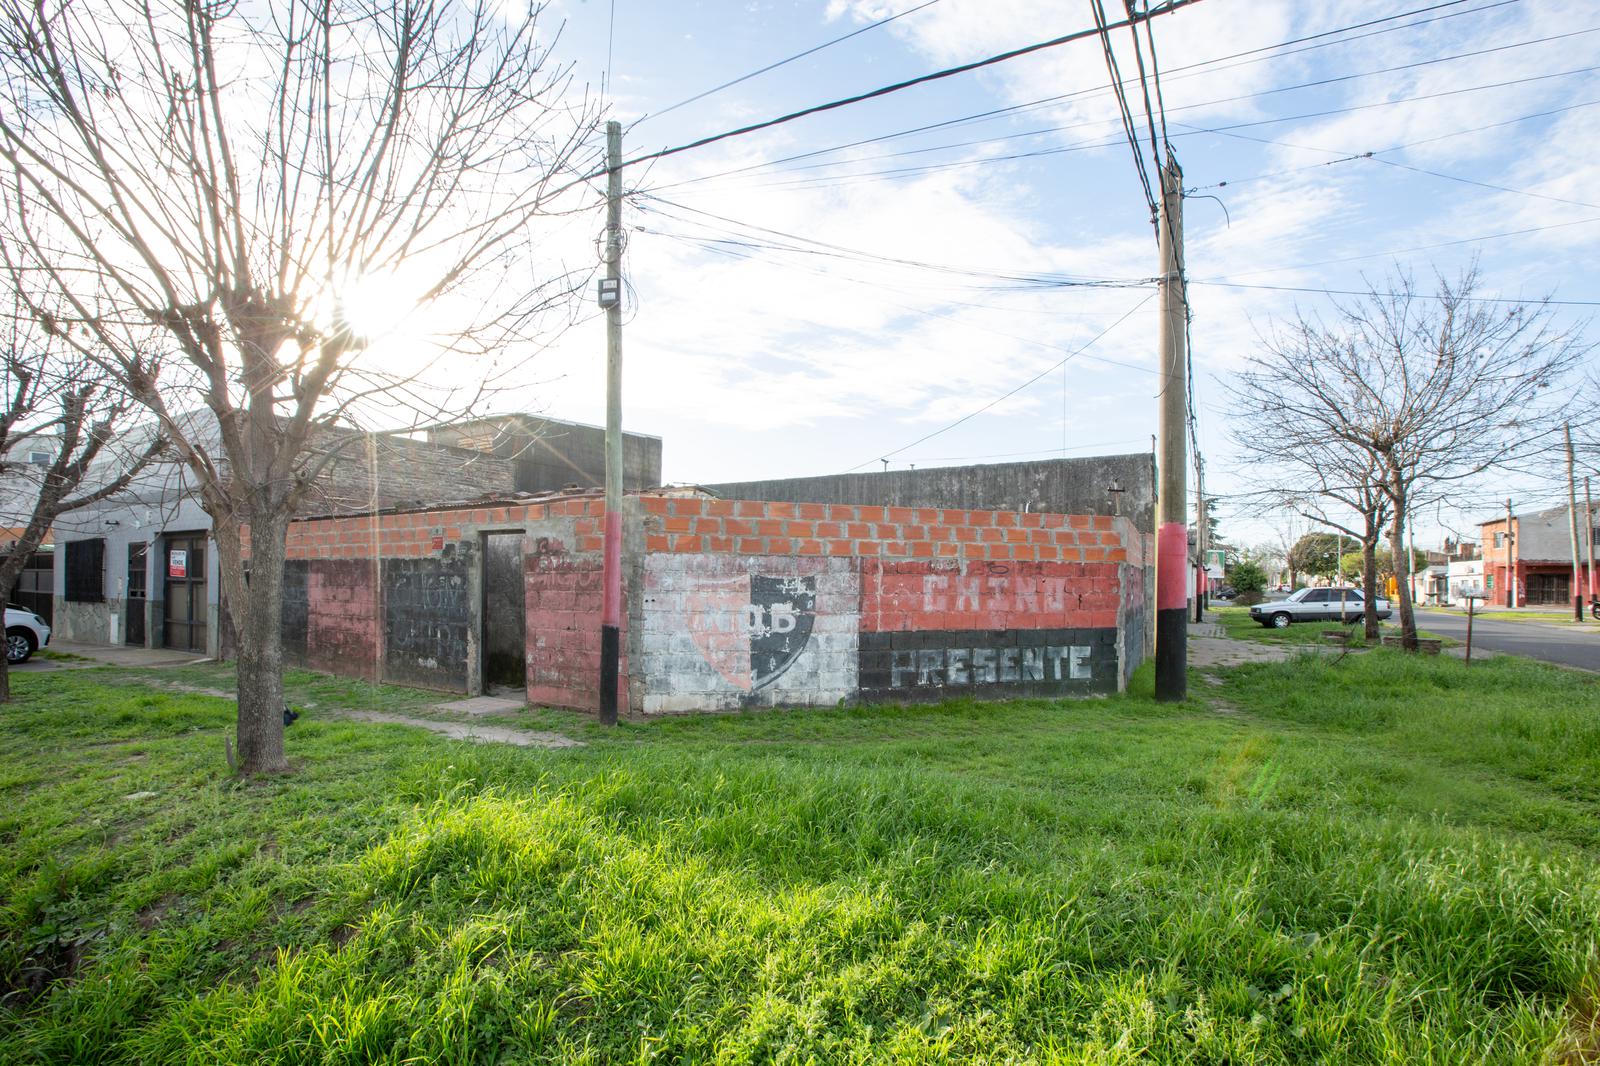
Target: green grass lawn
pixel 1237 622
pixel 1386 859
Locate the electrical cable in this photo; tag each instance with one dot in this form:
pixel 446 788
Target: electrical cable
pixel 1008 395
pixel 1051 279
pixel 1226 130
pixel 1418 295
pixel 1031 451
pixel 1483 184
pixel 1400 251
pixel 1100 20
pixel 1186 71
pixel 1375 154
pixel 783 62
pixel 949 317
pixel 1167 7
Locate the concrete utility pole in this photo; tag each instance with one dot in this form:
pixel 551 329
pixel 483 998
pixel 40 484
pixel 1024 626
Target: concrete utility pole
pixel 611 300
pixel 1572 521
pixel 1511 568
pixel 1172 510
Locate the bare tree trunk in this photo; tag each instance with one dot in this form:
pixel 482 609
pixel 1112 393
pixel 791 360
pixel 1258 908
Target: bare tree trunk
pixel 1402 570
pixel 9 571
pixel 256 606
pixel 1369 580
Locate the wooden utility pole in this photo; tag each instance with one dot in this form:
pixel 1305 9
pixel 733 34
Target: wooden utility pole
pixel 1572 522
pixel 1202 541
pixel 1172 510
pixel 1588 533
pixel 1511 565
pixel 611 300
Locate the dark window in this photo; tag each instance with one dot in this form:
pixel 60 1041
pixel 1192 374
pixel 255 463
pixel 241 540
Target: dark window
pixel 1352 595
pixel 86 571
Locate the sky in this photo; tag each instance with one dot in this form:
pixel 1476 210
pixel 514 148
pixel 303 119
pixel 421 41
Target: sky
pixel 981 291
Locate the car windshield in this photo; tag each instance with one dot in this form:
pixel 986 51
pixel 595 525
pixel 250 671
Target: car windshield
pixel 1298 596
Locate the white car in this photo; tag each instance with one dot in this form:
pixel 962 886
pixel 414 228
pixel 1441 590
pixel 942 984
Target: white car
pixel 26 633
pixel 1316 605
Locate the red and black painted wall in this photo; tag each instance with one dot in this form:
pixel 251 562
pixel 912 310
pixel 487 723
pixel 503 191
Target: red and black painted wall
pixel 730 603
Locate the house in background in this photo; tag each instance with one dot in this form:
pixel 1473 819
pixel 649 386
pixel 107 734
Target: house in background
pixel 547 454
pixel 1535 562
pixel 1464 577
pixel 1431 585
pixel 20 471
pixel 140 568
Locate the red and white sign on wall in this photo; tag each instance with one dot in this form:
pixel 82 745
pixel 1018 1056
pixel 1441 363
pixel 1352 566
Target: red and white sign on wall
pixel 177 563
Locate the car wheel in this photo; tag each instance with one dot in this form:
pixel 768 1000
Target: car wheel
pixel 1281 620
pixel 19 646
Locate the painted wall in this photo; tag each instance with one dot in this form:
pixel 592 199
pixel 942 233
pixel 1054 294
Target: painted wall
pixel 400 596
pixel 731 604
pixel 751 603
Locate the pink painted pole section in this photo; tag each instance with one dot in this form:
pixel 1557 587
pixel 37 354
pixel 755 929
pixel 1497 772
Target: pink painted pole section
pixel 611 606
pixel 1172 564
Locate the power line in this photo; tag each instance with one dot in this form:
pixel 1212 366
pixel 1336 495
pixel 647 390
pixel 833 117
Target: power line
pixel 1218 130
pixel 1031 451
pixel 1186 71
pixel 1048 370
pixel 1404 251
pixel 783 62
pixel 1167 7
pixel 1122 105
pixel 945 316
pixel 1374 155
pixel 1483 184
pixel 1050 279
pixel 1398 295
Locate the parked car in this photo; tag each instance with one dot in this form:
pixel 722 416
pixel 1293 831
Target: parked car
pixel 26 633
pixel 1316 605
pixel 1225 594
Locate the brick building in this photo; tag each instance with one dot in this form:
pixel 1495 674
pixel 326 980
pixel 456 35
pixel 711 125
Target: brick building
pixel 727 603
pixel 140 568
pixel 1538 557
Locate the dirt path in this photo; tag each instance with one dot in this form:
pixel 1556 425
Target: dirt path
pixel 1206 652
pixel 458 726
pixel 492 734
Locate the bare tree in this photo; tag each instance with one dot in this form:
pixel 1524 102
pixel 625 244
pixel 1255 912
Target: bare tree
pixel 214 180
pixel 1421 391
pixel 71 411
pixel 1325 480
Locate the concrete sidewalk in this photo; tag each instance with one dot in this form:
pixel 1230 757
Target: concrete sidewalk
pixel 111 655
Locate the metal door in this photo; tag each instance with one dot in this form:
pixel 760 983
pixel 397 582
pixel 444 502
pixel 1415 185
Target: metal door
pixel 183 560
pixel 134 603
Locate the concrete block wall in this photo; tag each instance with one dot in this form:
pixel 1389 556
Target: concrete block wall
pixel 399 596
pixel 788 603
pixel 731 604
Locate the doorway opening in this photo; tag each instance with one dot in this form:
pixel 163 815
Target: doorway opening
pixel 134 604
pixel 505 616
pixel 184 562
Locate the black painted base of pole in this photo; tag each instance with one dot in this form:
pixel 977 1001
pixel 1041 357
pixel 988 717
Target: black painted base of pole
pixel 610 663
pixel 1172 654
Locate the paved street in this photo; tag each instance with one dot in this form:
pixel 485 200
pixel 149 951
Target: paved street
pixel 1553 643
